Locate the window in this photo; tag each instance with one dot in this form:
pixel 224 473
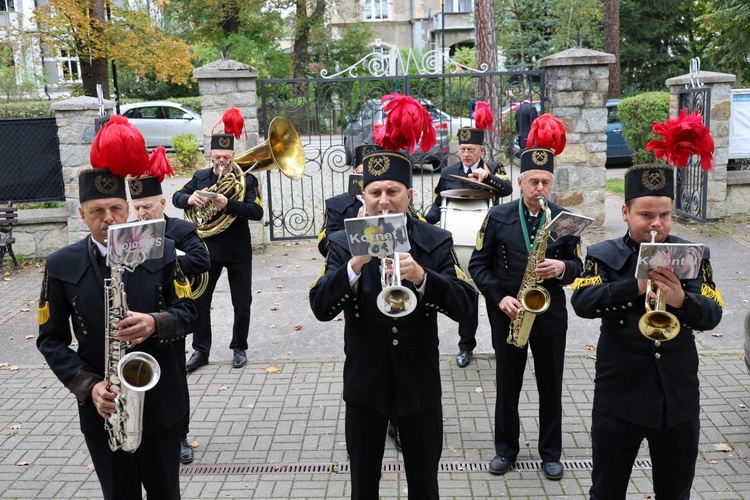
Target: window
pixel 7 6
pixel 376 9
pixel 386 53
pixel 458 5
pixel 68 68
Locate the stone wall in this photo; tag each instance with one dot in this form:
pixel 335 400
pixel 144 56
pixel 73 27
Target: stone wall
pixel 38 233
pixel 576 85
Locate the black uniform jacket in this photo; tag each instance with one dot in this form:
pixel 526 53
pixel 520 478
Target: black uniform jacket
pixel 196 259
pixel 233 244
pixel 391 364
pixel 499 261
pixel 497 179
pixel 637 379
pixel 74 290
pixel 338 208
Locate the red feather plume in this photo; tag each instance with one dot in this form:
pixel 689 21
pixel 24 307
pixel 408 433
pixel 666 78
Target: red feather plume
pixel 407 124
pixel 683 137
pixel 158 164
pixel 547 132
pixel 119 147
pixel 483 117
pixel 233 122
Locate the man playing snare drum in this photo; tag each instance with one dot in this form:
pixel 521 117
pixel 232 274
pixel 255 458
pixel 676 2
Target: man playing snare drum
pixel 470 150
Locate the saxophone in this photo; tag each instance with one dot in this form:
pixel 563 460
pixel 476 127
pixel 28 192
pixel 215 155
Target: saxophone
pixel 534 299
pixel 129 376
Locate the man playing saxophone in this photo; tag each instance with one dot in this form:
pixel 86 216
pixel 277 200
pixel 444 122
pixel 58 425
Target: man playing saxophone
pixel 645 388
pixel 499 268
pixel 159 311
pixel 229 247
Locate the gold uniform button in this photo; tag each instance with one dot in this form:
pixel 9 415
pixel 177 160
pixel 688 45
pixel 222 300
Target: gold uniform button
pixel 657 343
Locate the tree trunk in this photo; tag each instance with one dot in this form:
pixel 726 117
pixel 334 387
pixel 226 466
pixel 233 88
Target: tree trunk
pixel 612 44
pixel 486 50
pixel 300 52
pixel 94 70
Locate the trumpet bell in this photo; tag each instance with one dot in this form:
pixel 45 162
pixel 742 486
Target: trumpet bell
pixel 396 301
pixel 283 150
pixel 659 325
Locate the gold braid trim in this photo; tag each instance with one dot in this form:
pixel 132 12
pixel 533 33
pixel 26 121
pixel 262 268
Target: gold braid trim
pixel 320 274
pixel 258 201
pixel 181 283
pixel 713 294
pixel 321 235
pixel 480 234
pixel 42 310
pixel 460 274
pixel 583 282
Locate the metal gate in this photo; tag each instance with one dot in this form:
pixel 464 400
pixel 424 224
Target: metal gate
pixel 331 115
pixel 692 182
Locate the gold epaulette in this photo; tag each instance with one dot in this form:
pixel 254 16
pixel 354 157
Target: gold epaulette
pixel 713 294
pixel 42 310
pixel 583 282
pixel 183 290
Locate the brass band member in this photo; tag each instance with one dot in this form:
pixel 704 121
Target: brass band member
pixel 645 389
pixel 472 165
pixel 148 204
pixel 230 248
pixel 498 266
pixel 392 364
pixel 72 293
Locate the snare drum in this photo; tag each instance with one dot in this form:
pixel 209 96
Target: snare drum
pixel 462 213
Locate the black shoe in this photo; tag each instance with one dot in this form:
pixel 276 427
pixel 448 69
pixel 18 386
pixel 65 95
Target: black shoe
pixel 186 452
pixel 240 358
pixel 463 358
pixel 197 360
pixel 553 470
pixel 393 432
pixel 500 465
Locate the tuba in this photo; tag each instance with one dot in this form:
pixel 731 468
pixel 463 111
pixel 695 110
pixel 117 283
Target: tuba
pixel 657 323
pixel 534 298
pixel 129 376
pixel 283 150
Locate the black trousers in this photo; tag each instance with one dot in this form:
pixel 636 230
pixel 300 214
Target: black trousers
pixel 240 276
pixel 155 465
pixel 467 328
pixel 615 445
pixel 549 358
pixel 179 346
pixel 421 440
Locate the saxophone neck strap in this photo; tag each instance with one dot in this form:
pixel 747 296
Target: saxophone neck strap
pixel 522 220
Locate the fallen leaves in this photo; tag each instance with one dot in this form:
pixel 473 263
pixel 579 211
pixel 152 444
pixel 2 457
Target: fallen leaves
pixel 15 427
pixel 716 334
pixel 271 369
pixel 297 328
pixel 722 447
pixel 91 467
pixel 224 388
pixel 23 464
pixel 27 337
pixel 479 390
pixel 590 347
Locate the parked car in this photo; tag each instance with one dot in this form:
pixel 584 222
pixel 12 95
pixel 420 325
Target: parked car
pixel 158 121
pixel 360 126
pixel 618 152
pixel 454 122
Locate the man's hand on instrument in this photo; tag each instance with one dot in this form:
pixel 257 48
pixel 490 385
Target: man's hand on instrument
pixel 358 261
pixel 479 174
pixel 510 306
pixel 197 200
pixel 135 327
pixel 410 269
pixel 550 268
pixel 104 401
pixel 667 281
pixel 220 201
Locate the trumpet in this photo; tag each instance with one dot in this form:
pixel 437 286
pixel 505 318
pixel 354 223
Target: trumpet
pixel 394 300
pixel 657 323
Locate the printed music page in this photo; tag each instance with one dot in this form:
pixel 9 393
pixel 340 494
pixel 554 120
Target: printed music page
pixel 378 236
pixel 683 259
pixel 133 243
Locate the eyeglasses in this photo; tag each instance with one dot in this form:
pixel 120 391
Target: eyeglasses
pixel 470 151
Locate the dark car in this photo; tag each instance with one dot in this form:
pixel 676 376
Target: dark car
pixel 618 152
pixel 360 126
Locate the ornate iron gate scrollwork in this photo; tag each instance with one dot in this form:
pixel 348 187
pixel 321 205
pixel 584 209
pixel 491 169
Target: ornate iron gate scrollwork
pixel 691 186
pixel 322 108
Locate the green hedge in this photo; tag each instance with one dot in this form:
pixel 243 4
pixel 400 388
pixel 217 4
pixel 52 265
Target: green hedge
pixel 637 113
pixel 34 109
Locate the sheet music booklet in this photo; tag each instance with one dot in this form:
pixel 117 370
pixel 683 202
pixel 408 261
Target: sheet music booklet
pixel 683 259
pixel 378 236
pixel 569 224
pixel 133 243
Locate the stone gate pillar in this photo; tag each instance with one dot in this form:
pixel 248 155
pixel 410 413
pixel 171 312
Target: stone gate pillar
pixel 75 130
pixel 223 84
pixel 576 87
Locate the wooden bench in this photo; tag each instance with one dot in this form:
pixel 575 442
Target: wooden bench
pixel 8 218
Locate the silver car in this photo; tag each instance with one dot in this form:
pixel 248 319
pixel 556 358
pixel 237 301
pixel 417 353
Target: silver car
pixel 158 121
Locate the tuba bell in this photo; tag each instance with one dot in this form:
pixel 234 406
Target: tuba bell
pixel 283 150
pixel 657 323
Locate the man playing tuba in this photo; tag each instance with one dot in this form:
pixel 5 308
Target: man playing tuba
pixel 229 243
